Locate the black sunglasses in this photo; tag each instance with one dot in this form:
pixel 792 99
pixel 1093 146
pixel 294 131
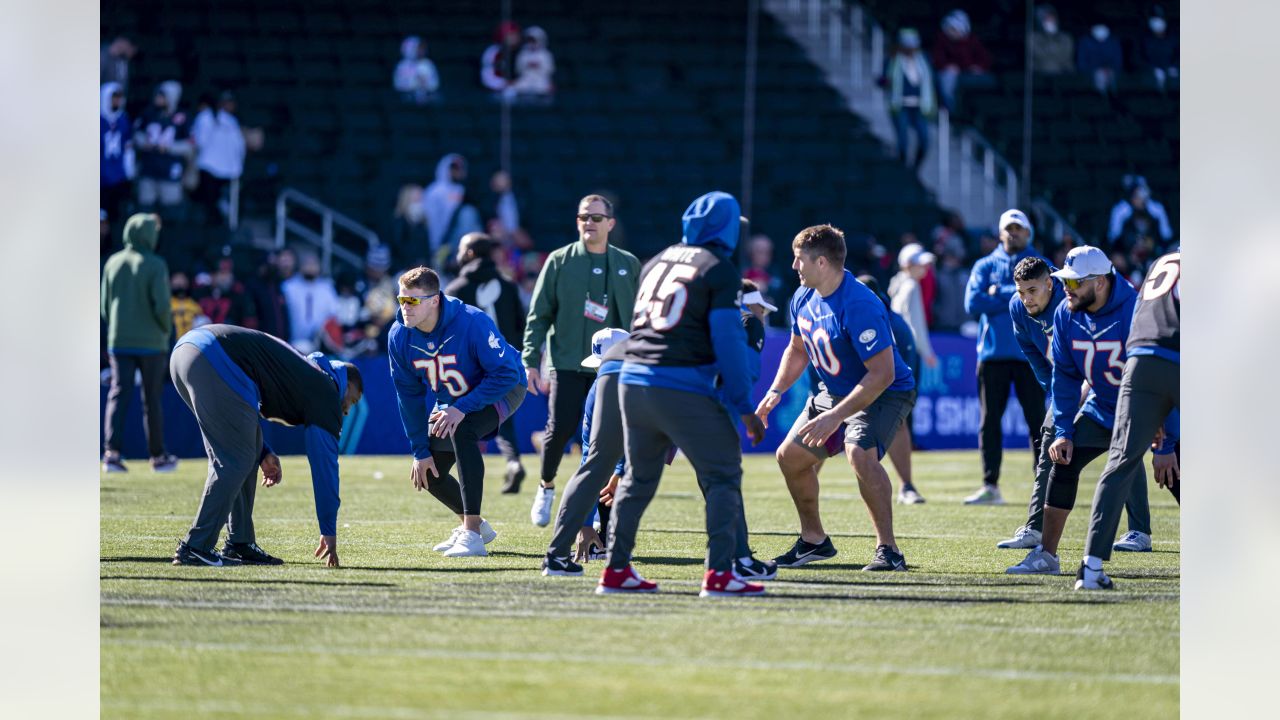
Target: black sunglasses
pixel 593 217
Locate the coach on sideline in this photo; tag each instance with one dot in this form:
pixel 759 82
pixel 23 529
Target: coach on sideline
pixel 584 287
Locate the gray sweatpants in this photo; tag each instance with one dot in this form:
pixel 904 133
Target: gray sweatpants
pixel 1148 393
pixel 233 442
pixel 653 419
pixel 604 449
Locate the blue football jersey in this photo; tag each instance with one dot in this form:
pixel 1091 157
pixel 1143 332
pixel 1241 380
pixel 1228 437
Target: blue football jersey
pixel 1090 348
pixel 841 331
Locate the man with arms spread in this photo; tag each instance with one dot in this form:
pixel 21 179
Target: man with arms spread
pixel 456 381
pixel 686 331
pixel 229 375
pixel 865 392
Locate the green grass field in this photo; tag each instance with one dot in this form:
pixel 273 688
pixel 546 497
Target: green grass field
pixel 400 632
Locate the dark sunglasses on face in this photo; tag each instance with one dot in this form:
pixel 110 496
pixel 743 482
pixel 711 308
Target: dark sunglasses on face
pixel 413 299
pixel 593 217
pixel 1075 284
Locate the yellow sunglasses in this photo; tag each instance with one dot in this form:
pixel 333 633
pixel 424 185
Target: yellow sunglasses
pixel 413 299
pixel 1075 284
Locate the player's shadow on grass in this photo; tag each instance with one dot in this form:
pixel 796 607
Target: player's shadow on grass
pixel 954 600
pixel 151 559
pixel 454 569
pixel 663 560
pixel 231 579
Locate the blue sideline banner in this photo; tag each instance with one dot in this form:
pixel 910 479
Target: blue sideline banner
pixel 946 417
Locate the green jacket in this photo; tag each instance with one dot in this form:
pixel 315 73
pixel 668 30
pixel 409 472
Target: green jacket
pixel 556 311
pixel 135 291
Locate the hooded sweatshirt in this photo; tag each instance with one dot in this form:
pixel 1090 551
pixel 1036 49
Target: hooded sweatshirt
pixel 995 328
pixel 441 200
pixel 115 135
pixel 135 292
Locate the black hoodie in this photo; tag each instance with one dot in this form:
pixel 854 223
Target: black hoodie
pixel 480 284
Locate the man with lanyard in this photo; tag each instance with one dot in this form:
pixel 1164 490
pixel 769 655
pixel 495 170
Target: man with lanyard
pixel 584 287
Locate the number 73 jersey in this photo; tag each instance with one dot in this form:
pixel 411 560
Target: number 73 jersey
pixel 843 330
pixel 1090 347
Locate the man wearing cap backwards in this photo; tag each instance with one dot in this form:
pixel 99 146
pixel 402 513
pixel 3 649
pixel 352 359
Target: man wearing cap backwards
pixel 229 376
pixel 456 381
pixel 1090 330
pixel 584 287
pixel 1000 359
pixel 686 331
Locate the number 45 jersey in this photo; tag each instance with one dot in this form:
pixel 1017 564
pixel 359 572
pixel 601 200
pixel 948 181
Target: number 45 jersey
pixel 841 331
pixel 1090 347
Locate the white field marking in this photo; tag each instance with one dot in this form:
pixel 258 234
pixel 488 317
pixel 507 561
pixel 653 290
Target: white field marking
pixel 650 661
pixel 637 611
pixel 219 707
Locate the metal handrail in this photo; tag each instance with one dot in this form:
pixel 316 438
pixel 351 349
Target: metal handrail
pixel 329 218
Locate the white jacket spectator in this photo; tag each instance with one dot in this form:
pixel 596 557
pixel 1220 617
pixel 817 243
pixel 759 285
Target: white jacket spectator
pixel 535 65
pixel 906 298
pixel 311 301
pixel 415 75
pixel 219 141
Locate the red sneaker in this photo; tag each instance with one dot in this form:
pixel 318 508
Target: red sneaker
pixel 625 580
pixel 724 584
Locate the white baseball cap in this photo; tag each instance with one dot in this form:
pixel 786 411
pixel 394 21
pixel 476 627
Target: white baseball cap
pixel 1013 215
pixel 755 298
pixel 600 344
pixel 1082 262
pixel 914 254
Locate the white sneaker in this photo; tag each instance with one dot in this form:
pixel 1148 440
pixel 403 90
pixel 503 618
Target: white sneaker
pixel 451 540
pixel 988 495
pixel 1022 539
pixel 1037 562
pixel 910 497
pixel 543 500
pixel 1133 541
pixel 1087 579
pixel 487 533
pixel 469 544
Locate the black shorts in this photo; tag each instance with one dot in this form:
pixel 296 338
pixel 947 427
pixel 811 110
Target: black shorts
pixel 874 427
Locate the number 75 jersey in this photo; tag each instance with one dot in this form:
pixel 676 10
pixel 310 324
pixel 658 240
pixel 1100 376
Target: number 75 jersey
pixel 843 330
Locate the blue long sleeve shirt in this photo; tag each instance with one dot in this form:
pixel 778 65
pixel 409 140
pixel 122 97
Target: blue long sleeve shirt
pixel 1032 333
pixel 995 331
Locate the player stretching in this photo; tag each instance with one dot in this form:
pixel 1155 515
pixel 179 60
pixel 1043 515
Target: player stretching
pixel 865 390
pixel 685 330
pixel 456 381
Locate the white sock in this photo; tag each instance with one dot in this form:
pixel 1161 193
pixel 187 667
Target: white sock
pixel 1093 562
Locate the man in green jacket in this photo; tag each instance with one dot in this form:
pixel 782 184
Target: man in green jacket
pixel 135 306
pixel 585 286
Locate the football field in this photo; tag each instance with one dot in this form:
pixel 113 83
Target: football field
pixel 400 632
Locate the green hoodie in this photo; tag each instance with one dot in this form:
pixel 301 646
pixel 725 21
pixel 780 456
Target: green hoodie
pixel 135 291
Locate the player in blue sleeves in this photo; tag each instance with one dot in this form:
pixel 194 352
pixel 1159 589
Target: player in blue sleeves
pixel 456 381
pixel 1090 330
pixel 865 392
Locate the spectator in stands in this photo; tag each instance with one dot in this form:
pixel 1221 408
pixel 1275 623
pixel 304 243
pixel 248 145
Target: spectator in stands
pixel 115 61
pixel 1052 50
pixel 1099 57
pixel 1158 52
pixel 185 311
pixel 268 298
pixel 311 300
pixel 952 276
pixel 1138 214
pixel 498 63
pixel 379 290
pixel 220 154
pixel 503 204
pixel 161 137
pixel 104 237
pixel 960 58
pixel 224 299
pixel 344 333
pixel 135 306
pixel 910 92
pixel 449 215
pixel 409 238
pixel 115 159
pixel 415 77
pixel 535 65
pixel 760 271
pixel 907 300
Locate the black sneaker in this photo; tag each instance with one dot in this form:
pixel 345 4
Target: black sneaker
pixel 187 555
pixel 804 552
pixel 752 568
pixel 552 565
pixel 515 476
pixel 887 561
pixel 248 554
pixel 113 464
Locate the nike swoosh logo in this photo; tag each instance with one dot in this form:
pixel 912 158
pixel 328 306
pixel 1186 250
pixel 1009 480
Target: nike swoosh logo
pixel 802 556
pixel 1103 330
pixel 870 346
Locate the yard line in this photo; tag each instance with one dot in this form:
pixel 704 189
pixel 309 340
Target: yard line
pixel 575 657
pixel 217 707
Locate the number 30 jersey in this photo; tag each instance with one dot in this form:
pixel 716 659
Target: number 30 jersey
pixel 1090 347
pixel 841 331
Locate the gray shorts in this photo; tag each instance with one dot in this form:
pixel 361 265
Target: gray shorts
pixel 873 427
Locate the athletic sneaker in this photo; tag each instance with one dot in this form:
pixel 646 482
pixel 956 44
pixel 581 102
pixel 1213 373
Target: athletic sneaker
pixel 805 552
pixel 626 580
pixel 552 565
pixel 1087 579
pixel 988 495
pixel 887 560
pixel 164 463
pixel 597 553
pixel 1023 538
pixel 248 554
pixel 187 555
pixel 1037 562
pixel 469 544
pixel 1134 541
pixel 515 476
pixel 725 584
pixel 543 499
pixel 487 533
pixel 909 496
pixel 113 464
pixel 752 568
